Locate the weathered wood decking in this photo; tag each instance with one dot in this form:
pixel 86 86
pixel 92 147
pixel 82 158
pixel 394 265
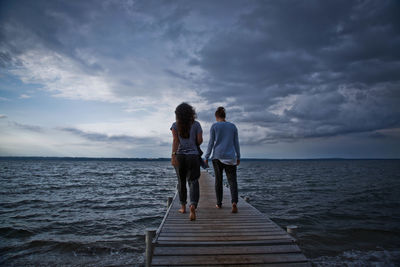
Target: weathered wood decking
pixel 218 237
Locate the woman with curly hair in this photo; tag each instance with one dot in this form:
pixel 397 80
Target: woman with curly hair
pixel 187 136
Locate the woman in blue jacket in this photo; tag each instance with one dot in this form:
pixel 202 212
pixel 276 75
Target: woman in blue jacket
pixel 224 142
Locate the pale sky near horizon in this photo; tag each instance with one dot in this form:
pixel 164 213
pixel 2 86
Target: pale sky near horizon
pixel 300 79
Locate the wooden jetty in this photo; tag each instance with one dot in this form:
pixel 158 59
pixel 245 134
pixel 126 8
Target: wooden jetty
pixel 218 237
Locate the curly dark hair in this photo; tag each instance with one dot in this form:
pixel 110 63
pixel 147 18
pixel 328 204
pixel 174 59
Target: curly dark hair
pixel 185 116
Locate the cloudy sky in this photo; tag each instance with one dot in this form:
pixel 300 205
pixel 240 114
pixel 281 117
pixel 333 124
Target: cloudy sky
pixel 301 79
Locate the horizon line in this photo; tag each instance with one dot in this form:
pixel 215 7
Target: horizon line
pixel 165 159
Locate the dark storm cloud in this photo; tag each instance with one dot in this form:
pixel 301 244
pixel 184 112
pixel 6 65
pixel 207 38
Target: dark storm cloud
pixel 340 59
pixel 114 29
pixel 41 21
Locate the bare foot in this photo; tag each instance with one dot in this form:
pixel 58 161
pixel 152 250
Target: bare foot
pixel 192 215
pixel 182 209
pixel 234 208
pixel 218 206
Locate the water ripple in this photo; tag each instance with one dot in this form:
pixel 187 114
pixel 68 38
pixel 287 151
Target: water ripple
pixel 94 213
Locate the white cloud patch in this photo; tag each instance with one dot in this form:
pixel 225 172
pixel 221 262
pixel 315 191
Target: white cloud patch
pixel 284 103
pixel 61 76
pixel 25 96
pixel 32 140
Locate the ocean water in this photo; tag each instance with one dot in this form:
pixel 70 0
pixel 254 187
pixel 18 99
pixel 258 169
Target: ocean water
pixel 94 212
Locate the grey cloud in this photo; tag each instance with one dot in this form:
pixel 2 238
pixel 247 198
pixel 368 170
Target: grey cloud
pixel 377 135
pixel 99 137
pixel 356 110
pixel 103 29
pixel 5 59
pixel 317 106
pixel 32 128
pixel 2 116
pixel 316 51
pixel 176 74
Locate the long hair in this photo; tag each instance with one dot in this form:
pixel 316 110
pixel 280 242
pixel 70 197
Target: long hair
pixel 185 116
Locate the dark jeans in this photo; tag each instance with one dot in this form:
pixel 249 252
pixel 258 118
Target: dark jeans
pixel 231 176
pixel 188 168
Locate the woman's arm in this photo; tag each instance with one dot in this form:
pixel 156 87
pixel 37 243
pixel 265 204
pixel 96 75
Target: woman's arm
pixel 210 143
pixel 237 147
pixel 175 145
pixel 199 138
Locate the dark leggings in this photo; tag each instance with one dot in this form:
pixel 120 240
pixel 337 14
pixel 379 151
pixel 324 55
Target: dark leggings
pixel 188 169
pixel 230 171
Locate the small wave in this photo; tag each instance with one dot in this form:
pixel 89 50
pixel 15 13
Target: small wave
pixel 96 248
pixel 11 205
pixel 99 247
pixel 10 232
pixel 145 220
pixel 96 173
pixel 360 258
pixel 66 249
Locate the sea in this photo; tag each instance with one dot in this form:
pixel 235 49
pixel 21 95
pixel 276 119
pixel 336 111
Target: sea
pixel 94 212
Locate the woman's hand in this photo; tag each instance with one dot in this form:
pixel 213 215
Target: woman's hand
pixel 175 146
pixel 174 161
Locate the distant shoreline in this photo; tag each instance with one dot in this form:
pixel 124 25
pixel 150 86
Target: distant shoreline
pixel 168 159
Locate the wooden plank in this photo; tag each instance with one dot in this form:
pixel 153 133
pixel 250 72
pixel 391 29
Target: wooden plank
pixel 295 264
pixel 220 227
pixel 226 243
pixel 217 229
pixel 229 259
pixel 227 250
pixel 216 232
pixel 225 218
pixel 221 238
pixel 213 225
pixel 216 221
pixel 196 233
pixel 236 221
